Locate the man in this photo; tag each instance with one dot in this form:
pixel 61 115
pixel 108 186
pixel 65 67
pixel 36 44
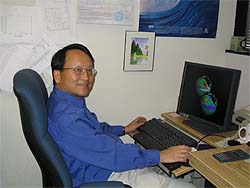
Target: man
pixel 92 150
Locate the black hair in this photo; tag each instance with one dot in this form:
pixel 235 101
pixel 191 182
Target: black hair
pixel 58 59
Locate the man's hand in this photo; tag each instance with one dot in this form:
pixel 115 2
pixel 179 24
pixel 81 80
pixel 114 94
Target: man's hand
pixel 175 154
pixel 135 124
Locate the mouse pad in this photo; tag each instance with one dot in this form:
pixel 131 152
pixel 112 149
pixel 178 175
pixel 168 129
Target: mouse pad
pixel 204 147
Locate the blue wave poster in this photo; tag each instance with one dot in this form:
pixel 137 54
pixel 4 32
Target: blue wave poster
pixel 180 18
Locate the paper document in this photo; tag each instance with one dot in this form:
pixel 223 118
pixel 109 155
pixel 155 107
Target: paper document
pixel 118 12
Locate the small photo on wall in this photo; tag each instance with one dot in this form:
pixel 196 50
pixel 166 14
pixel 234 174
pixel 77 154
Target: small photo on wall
pixel 139 51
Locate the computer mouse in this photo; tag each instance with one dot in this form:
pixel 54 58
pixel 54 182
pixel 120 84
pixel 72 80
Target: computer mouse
pixel 185 163
pixel 193 149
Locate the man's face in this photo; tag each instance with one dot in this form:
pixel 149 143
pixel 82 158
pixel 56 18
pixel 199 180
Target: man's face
pixel 79 85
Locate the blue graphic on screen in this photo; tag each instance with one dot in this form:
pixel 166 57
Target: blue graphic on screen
pixel 180 18
pixel 208 101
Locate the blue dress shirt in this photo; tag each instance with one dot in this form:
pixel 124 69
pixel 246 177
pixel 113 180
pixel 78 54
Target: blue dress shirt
pixel 91 150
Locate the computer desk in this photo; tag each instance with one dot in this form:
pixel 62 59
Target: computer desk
pixel 177 121
pixel 230 174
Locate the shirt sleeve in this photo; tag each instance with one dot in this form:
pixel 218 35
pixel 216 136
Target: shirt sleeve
pixel 81 140
pixel 114 129
pixel 107 128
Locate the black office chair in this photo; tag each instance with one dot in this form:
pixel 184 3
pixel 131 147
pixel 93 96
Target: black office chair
pixel 32 97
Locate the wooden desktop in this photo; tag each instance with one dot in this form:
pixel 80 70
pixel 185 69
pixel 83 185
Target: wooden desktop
pixel 230 174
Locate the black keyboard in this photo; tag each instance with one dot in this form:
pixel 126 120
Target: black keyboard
pixel 159 135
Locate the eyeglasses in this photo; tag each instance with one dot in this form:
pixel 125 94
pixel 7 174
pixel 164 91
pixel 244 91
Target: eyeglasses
pixel 79 71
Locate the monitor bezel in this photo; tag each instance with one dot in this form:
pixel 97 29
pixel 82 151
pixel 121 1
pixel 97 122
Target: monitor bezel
pixel 227 123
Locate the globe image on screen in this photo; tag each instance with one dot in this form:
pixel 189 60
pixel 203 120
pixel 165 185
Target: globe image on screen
pixel 209 103
pixel 203 85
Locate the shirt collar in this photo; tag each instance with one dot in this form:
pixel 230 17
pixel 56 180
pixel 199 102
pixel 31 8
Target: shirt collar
pixel 80 102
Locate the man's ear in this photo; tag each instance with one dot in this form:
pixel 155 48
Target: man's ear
pixel 57 76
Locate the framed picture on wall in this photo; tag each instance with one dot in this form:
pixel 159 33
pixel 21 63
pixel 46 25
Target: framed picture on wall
pixel 139 51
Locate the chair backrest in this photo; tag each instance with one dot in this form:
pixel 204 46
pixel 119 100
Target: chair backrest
pixel 32 96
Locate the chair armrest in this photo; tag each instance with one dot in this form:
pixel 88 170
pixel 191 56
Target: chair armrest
pixel 105 184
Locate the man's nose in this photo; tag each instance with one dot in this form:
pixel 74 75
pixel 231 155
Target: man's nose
pixel 84 75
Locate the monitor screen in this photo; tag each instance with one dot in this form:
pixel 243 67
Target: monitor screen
pixel 207 97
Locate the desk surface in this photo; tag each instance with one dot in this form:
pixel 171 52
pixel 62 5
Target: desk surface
pixel 231 174
pixel 177 121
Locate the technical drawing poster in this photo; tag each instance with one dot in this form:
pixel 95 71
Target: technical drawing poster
pixel 180 18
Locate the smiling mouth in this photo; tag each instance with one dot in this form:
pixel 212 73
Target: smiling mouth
pixel 83 85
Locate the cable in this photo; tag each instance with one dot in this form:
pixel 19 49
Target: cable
pixel 208 136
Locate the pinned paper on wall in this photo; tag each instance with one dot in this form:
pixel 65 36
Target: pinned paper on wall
pixel 118 12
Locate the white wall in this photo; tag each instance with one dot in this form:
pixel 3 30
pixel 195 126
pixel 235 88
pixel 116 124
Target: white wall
pixel 118 96
pixel 241 62
pixel 17 165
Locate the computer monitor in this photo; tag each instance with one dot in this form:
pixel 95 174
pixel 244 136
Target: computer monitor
pixel 207 97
